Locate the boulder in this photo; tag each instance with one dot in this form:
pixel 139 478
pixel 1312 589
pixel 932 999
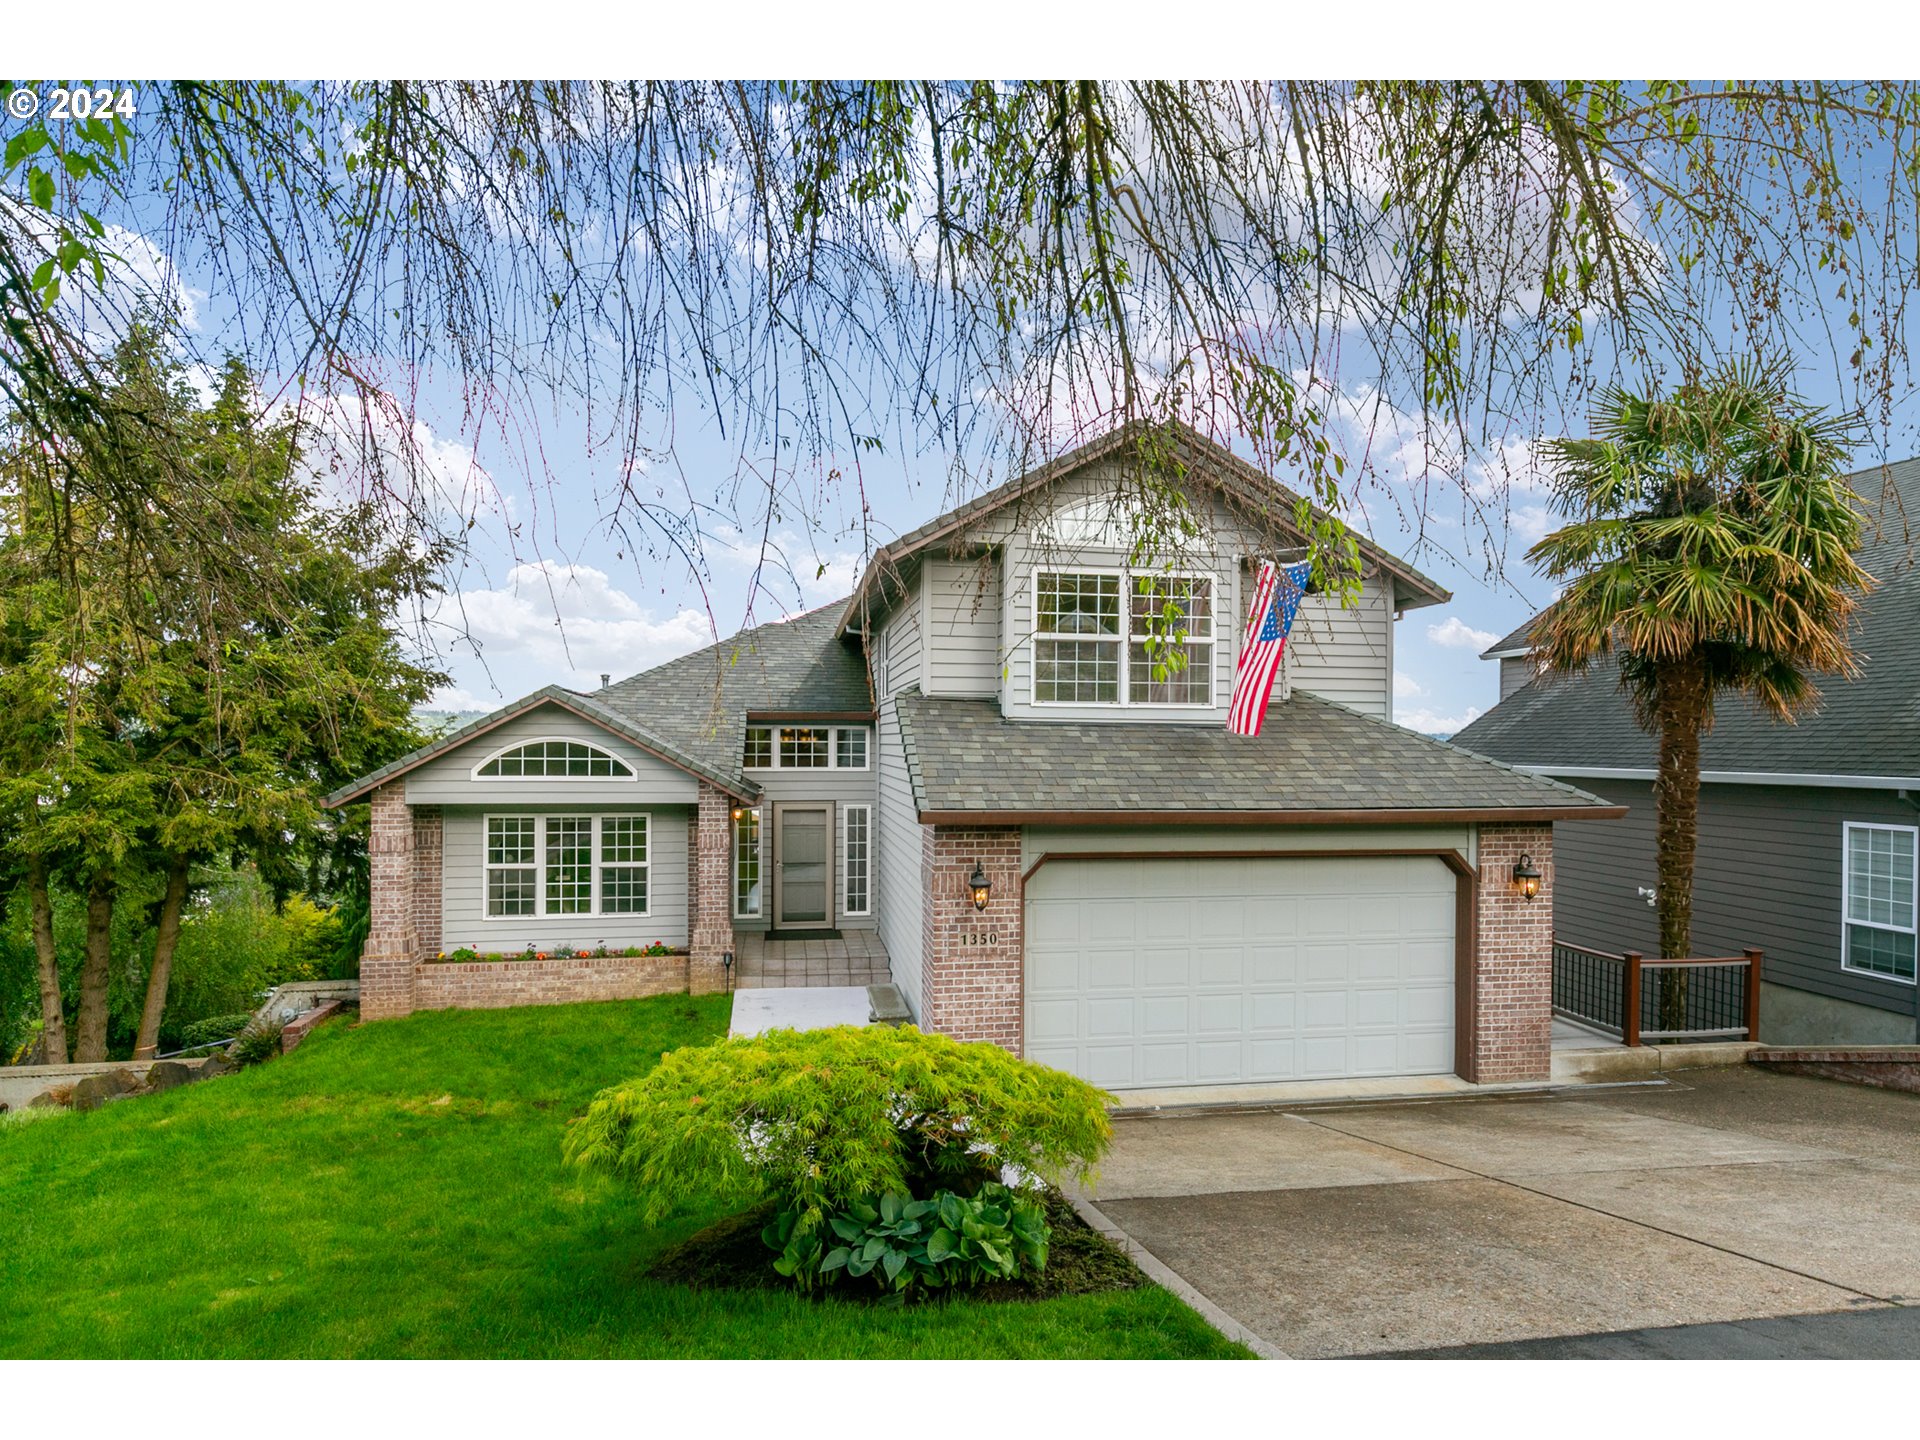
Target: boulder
pixel 217 1064
pixel 170 1074
pixel 94 1091
pixel 58 1098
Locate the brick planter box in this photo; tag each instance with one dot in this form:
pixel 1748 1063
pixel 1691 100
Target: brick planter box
pixel 496 984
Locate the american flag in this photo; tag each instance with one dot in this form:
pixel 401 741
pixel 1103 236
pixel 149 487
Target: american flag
pixel 1276 600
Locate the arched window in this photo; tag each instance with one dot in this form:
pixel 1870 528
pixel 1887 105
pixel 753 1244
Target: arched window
pixel 548 759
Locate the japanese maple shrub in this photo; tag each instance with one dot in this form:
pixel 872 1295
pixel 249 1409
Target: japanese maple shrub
pixel 910 1158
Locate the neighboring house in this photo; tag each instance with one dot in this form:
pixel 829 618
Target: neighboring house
pixel 1808 831
pixel 1059 846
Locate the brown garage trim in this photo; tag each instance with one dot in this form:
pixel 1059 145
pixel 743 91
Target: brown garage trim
pixel 797 717
pixel 1465 917
pixel 1538 814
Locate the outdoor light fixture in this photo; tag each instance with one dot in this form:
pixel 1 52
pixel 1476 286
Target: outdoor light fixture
pixel 977 883
pixel 738 812
pixel 1526 879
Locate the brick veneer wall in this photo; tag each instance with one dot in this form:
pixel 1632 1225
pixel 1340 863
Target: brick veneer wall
pixel 497 984
pixel 971 962
pixel 426 880
pixel 386 960
pixel 1512 1036
pixel 709 890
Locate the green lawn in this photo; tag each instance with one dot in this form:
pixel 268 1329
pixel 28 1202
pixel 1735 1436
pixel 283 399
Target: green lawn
pixel 396 1190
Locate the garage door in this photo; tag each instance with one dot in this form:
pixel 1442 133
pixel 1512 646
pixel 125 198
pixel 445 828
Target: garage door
pixel 1212 971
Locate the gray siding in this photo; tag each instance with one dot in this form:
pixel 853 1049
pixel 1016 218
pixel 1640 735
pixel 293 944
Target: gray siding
pixel 963 627
pixel 463 917
pixel 1767 874
pixel 838 788
pixel 899 899
pixel 898 665
pixel 1515 671
pixel 448 779
pixel 1345 653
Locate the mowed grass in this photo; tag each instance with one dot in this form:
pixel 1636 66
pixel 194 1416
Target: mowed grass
pixel 397 1189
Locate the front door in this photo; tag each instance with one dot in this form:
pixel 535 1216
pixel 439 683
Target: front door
pixel 803 865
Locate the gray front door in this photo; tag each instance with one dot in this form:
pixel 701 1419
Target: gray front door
pixel 803 851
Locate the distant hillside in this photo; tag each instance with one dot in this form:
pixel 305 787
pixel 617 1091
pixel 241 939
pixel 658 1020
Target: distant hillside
pixel 439 722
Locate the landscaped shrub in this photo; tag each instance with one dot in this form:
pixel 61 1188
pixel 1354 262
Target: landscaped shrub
pixel 258 1044
pixel 834 1125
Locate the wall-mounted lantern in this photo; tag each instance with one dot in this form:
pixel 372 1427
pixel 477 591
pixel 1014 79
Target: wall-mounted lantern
pixel 980 886
pixel 1526 879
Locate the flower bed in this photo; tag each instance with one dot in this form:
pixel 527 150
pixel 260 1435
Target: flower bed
pixel 489 983
pixel 465 956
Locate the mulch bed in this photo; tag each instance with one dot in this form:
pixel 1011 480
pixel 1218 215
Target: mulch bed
pixel 730 1255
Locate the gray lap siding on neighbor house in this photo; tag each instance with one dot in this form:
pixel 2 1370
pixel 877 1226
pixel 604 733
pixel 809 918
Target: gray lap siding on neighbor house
pixel 463 893
pixel 1767 874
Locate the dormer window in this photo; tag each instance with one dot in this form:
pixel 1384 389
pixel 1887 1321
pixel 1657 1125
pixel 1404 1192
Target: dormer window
pixel 554 759
pixel 1090 650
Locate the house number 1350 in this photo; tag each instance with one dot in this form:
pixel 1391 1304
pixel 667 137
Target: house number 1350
pixel 979 937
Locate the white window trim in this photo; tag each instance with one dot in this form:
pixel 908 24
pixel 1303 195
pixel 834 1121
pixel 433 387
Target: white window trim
pixel 760 851
pixel 1156 707
pixel 846 867
pixel 833 749
pixel 540 818
pixel 632 775
pixel 1847 827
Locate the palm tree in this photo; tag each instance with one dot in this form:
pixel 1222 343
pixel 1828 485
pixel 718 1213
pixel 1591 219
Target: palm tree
pixel 1709 547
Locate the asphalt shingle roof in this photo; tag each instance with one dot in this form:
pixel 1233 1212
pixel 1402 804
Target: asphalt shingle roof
pixel 1866 726
pixel 1311 757
pixel 692 711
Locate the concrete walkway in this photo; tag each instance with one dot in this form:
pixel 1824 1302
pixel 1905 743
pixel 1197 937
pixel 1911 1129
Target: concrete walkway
pixel 1722 1196
pixel 812 1007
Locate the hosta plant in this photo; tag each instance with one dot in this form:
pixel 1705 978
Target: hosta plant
pixel 944 1240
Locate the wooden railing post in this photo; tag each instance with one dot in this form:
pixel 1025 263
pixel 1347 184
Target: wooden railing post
pixel 1753 994
pixel 1630 1000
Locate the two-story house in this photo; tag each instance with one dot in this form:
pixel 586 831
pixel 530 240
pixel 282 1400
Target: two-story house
pixel 991 760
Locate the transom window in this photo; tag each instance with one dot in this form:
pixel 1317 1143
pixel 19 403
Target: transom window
pixel 566 865
pixel 1879 909
pixel 1089 649
pixel 550 758
pixel 805 747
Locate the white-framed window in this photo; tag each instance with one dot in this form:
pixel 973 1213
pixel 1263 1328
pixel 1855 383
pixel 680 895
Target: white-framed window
pixel 1880 884
pixel 553 759
pixel 807 747
pixel 856 859
pixel 746 863
pixel 1107 637
pixel 567 865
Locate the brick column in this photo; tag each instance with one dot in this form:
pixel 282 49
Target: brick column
pixel 1513 960
pixel 709 890
pixel 386 960
pixel 426 881
pixel 972 962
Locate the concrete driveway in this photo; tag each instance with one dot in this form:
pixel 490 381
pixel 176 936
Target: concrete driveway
pixel 1725 1196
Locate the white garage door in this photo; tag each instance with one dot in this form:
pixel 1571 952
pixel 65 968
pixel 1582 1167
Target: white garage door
pixel 1213 971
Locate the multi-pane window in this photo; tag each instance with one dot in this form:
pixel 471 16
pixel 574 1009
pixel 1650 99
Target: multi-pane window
pixel 856 828
pixel 566 865
pixel 550 758
pixel 1076 648
pixel 1880 900
pixel 1170 641
pixel 746 862
pixel 850 749
pixel 759 753
pixel 1088 648
pixel 569 861
pixel 513 884
pixel 623 865
pixel 805 747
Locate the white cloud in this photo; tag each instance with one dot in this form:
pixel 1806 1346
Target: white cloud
pixel 558 624
pixel 1428 723
pixel 1405 687
pixel 1456 634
